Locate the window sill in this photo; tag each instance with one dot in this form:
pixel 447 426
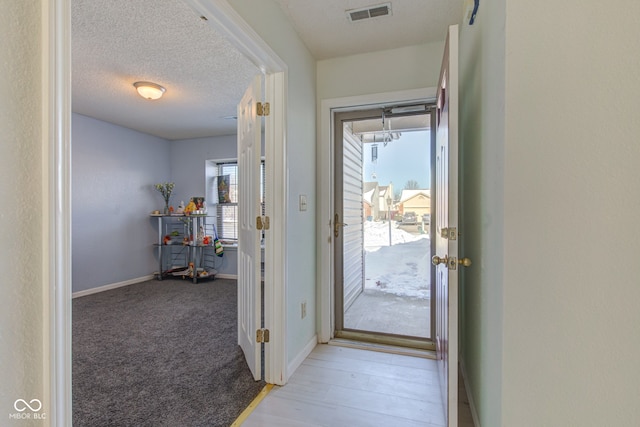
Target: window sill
pixel 234 246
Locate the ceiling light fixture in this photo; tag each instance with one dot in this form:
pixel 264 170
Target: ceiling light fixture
pixel 149 90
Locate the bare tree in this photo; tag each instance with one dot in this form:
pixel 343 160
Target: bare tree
pixel 412 184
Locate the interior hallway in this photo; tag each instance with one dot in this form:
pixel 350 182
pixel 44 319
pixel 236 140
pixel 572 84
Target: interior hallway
pixel 341 386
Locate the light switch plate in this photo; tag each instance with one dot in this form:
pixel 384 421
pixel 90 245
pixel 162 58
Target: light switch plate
pixel 303 202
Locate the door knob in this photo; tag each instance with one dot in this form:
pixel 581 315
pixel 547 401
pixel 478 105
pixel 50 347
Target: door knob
pixel 435 260
pixel 465 262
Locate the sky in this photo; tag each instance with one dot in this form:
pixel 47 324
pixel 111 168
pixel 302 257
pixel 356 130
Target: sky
pixel 404 159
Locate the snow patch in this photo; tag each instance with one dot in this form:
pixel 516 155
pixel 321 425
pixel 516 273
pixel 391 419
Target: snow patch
pixel 376 235
pixel 402 269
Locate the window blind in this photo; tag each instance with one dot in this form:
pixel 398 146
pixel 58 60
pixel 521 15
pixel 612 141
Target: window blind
pixel 227 211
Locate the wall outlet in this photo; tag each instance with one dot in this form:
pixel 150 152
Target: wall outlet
pixel 303 309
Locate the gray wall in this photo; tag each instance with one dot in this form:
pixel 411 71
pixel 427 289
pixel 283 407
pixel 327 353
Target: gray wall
pixel 188 159
pixel 113 172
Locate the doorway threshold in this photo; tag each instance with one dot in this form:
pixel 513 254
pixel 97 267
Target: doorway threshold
pixel 383 348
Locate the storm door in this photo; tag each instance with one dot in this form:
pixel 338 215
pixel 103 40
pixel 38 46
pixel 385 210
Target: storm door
pixel 382 225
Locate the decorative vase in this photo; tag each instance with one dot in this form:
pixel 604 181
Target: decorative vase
pixel 166 208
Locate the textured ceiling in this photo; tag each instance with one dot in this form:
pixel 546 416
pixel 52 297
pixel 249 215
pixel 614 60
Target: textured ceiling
pixel 327 33
pixel 118 42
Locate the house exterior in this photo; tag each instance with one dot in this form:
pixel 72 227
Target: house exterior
pixel 385 200
pixel 367 205
pixel 375 203
pixel 418 201
pixel 371 208
pixel 549 92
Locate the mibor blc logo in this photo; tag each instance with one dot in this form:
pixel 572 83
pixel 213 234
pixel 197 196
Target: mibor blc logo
pixel 27 410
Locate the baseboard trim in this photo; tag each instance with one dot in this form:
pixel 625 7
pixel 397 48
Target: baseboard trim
pixel 472 405
pixel 306 351
pixel 111 286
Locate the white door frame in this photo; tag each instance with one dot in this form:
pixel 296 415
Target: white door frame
pixel 56 165
pixel 56 211
pixel 325 185
pixel 230 24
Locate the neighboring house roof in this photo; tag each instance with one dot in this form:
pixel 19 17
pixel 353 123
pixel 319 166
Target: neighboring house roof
pixel 366 186
pixel 410 194
pixel 368 196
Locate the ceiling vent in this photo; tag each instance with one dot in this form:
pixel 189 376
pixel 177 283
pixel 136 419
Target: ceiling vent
pixel 368 12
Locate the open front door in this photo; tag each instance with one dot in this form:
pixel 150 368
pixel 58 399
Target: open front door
pixel 249 257
pixel 446 259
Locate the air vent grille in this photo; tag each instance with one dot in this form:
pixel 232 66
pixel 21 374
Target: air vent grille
pixel 369 12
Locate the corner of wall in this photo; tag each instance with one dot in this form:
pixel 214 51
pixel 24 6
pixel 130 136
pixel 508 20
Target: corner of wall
pixel 482 139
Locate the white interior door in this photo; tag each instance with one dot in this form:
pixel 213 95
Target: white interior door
pixel 249 257
pixel 446 256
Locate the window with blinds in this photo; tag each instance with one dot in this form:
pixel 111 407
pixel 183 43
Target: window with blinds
pixel 225 186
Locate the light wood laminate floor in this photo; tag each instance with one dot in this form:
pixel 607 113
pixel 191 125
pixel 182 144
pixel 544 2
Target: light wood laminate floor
pixel 340 386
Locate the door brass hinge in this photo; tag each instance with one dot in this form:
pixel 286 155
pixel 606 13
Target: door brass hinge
pixel 262 335
pixel 263 109
pixel 449 233
pixel 262 223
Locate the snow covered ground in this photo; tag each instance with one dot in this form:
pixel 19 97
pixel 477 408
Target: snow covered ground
pixel 401 269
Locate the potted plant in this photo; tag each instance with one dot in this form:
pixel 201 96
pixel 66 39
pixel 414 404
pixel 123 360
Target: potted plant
pixel 165 189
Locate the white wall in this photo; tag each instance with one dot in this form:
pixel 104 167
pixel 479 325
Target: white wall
pixel 113 173
pixel 267 19
pixel 23 345
pixel 482 64
pixel 568 287
pixel 571 212
pixel 390 70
